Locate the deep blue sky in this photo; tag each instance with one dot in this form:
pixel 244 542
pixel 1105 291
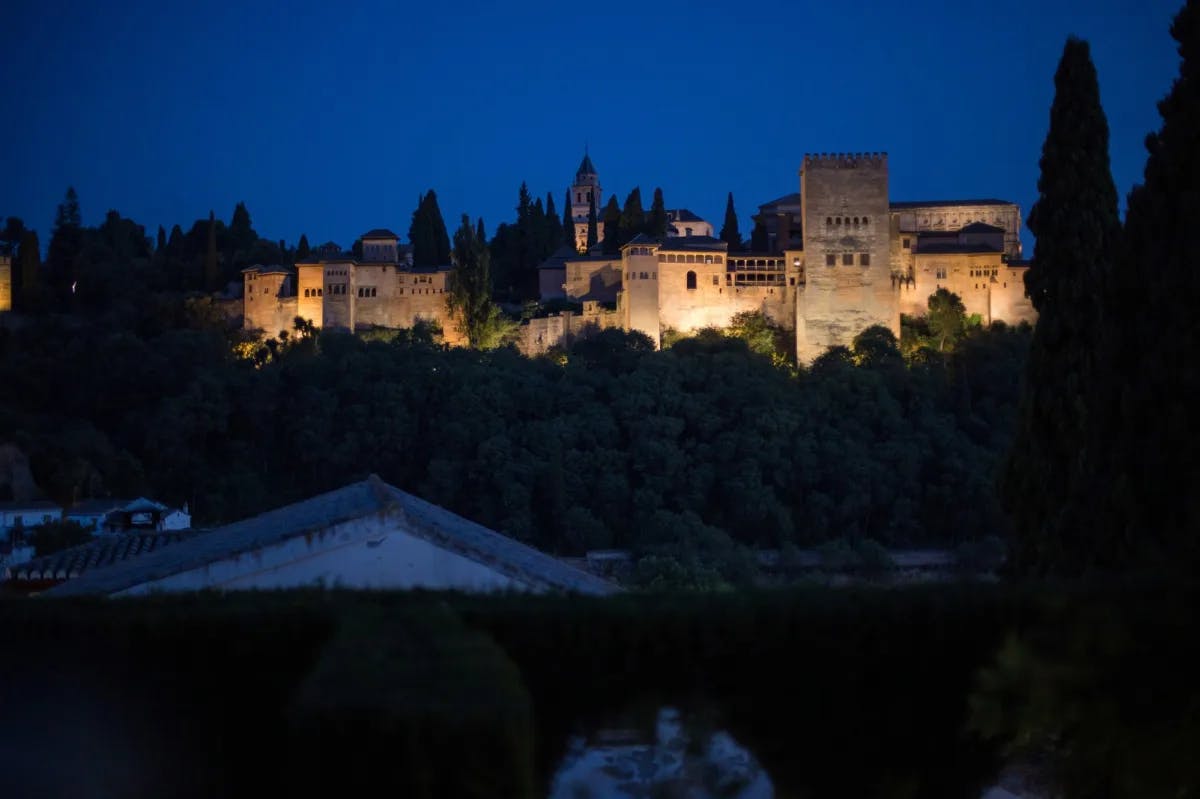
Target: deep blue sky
pixel 329 120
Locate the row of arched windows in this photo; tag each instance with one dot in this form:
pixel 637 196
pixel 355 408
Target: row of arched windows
pixel 856 221
pixel 672 258
pixel 312 292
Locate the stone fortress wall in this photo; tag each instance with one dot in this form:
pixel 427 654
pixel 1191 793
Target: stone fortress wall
pixel 5 283
pixel 845 258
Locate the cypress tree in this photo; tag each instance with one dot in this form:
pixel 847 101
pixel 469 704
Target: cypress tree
pixel 612 226
pixel 160 243
pixel 593 233
pixel 729 231
pixel 427 233
pixel 656 221
pixel 1077 227
pixel 553 224
pixel 303 250
pixel 633 218
pixel 1144 441
pixel 568 222
pixel 212 267
pixel 480 231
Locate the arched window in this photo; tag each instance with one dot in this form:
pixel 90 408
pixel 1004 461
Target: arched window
pixel 829 220
pixel 864 220
pixel 691 281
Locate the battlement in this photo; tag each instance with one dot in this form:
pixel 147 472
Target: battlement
pixel 872 160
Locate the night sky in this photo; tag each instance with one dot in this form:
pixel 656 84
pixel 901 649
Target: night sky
pixel 329 121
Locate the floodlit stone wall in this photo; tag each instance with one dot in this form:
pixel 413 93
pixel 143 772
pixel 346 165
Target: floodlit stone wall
pixel 848 285
pixel 5 283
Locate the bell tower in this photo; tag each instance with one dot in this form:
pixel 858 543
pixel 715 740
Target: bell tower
pixel 585 187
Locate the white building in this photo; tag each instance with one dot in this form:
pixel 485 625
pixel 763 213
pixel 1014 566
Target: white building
pixel 24 515
pixel 367 535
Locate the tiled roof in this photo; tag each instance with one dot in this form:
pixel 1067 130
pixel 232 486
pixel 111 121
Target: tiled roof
pixel 270 269
pixel 586 167
pixel 558 259
pixel 368 497
pixel 379 233
pixel 100 552
pixel 981 227
pixel 694 243
pixel 939 203
pixel 682 215
pixel 787 199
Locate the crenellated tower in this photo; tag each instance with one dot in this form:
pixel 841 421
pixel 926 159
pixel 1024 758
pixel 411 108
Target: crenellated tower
pixel 844 203
pixel 586 185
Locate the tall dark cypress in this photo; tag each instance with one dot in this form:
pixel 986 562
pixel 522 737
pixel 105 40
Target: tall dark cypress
pixel 427 233
pixel 1145 440
pixel 1045 487
pixel 568 221
pixel 303 250
pixel 633 218
pixel 729 231
pixel 656 220
pixel 212 266
pixel 593 233
pixel 612 226
pixel 554 229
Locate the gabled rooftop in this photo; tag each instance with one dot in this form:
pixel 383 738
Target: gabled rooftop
pixel 101 552
pixel 379 233
pixel 586 167
pixel 369 497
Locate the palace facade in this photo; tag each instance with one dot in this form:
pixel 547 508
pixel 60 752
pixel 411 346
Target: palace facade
pixel 841 256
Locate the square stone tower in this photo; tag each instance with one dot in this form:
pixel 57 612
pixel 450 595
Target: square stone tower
pixel 846 228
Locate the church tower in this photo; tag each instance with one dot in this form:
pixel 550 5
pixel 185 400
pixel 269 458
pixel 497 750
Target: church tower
pixel 586 186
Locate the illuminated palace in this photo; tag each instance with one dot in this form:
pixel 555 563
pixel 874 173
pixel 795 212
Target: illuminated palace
pixel 840 257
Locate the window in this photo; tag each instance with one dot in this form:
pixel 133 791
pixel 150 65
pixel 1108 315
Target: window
pixel 907 243
pixel 864 259
pixel 941 273
pixel 691 281
pixel 864 221
pixel 829 220
pixel 847 259
pixel 792 281
pixel 306 292
pixel 716 280
pixel 645 276
pixel 831 260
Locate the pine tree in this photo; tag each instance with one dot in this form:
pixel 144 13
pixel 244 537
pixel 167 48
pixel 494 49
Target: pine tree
pixel 656 221
pixel 729 231
pixel 1077 227
pixel 66 244
pixel 633 218
pixel 1144 441
pixel 470 296
pixel 593 231
pixel 612 226
pixel 303 250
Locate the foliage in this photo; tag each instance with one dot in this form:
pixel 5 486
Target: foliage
pixel 470 300
pixel 1140 441
pixel 612 227
pixel 427 233
pixel 947 319
pixel 54 537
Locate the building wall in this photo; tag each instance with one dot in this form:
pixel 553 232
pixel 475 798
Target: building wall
pixel 559 330
pixel 986 284
pixel 697 227
pixel 593 279
pixel 338 308
pixel 550 283
pixel 840 300
pixel 639 291
pixel 368 553
pixel 6 291
pixel 268 302
pixel 310 292
pixel 950 217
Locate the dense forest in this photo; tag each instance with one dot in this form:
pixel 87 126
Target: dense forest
pixel 689 451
